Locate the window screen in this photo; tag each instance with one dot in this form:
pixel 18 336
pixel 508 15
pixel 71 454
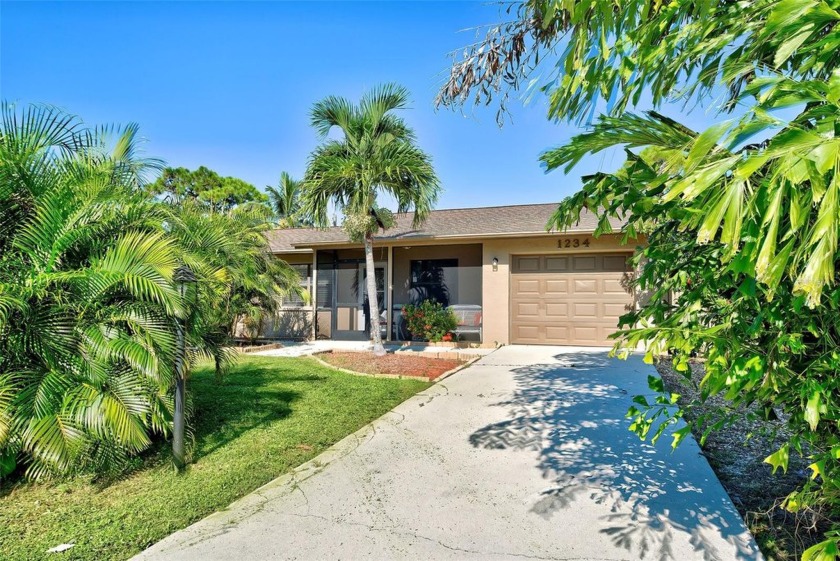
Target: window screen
pixel 434 279
pixel 305 272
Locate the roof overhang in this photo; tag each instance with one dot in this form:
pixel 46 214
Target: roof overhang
pixel 308 247
pixel 296 250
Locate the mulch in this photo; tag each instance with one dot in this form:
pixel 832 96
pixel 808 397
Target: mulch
pixel 402 364
pixel 736 453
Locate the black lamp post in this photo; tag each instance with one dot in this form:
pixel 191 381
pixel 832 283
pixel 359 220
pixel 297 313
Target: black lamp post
pixel 183 277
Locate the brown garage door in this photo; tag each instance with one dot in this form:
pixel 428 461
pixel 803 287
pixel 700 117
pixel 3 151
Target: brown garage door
pixel 568 299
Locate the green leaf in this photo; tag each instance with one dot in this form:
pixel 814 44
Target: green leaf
pixel 779 458
pixel 704 144
pixel 827 550
pixel 679 435
pixel 8 463
pixel 812 410
pixel 817 469
pixel 791 44
pixel 655 383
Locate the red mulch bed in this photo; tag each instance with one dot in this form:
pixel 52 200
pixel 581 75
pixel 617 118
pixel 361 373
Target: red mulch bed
pixel 402 364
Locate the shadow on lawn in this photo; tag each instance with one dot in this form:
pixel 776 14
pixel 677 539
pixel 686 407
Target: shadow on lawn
pixel 571 413
pixel 248 397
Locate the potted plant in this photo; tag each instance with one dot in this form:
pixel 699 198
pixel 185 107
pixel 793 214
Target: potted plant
pixel 429 321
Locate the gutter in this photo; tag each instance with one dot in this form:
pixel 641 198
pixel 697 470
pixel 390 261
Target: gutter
pixel 403 240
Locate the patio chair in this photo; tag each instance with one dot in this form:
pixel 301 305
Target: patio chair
pixel 469 319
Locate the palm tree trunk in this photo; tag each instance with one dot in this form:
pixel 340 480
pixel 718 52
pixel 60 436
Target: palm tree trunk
pixel 373 300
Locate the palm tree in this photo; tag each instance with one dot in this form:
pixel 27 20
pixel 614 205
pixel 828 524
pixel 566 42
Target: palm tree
pixel 87 304
pixel 86 298
pixel 240 281
pixel 376 154
pixel 285 201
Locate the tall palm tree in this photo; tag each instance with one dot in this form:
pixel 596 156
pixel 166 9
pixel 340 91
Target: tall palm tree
pixel 375 154
pixel 285 202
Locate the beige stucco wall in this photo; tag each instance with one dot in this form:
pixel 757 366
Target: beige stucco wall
pixel 496 284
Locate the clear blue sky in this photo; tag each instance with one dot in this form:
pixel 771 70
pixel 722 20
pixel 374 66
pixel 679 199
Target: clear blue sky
pixel 229 85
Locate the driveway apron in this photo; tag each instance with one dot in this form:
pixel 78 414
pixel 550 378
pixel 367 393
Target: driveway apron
pixel 524 455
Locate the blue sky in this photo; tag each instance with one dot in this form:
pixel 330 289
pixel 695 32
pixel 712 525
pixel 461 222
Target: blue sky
pixel 229 85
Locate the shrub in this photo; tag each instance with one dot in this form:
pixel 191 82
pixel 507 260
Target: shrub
pixel 429 320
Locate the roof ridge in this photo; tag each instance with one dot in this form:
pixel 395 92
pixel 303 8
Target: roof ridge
pixel 485 207
pixel 437 210
pixel 512 220
pixel 434 211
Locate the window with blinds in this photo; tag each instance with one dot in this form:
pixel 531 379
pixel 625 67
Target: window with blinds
pixel 293 300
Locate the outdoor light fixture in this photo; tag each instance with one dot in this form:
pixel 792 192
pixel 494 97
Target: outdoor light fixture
pixel 183 277
pixel 495 263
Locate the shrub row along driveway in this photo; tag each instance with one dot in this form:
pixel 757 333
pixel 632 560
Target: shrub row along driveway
pixel 525 454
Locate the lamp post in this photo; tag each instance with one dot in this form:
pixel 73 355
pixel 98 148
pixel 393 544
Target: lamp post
pixel 183 277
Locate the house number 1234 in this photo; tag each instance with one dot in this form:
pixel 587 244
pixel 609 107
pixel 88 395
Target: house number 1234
pixel 573 242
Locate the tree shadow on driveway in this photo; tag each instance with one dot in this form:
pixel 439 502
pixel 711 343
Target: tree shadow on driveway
pixel 572 414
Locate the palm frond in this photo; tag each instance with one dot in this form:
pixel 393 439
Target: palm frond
pixel 332 112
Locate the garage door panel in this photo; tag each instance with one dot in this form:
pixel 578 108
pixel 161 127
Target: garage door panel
pixel 615 286
pixel 585 310
pixel 527 264
pixel 556 287
pixel 586 286
pixel 528 310
pixel 528 287
pixel 616 309
pixel 557 310
pixel 585 334
pixel 614 263
pixel 587 263
pixel 527 333
pixel 556 332
pixel 568 299
pixel 556 264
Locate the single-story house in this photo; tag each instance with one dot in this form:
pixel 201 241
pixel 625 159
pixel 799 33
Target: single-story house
pixel 507 279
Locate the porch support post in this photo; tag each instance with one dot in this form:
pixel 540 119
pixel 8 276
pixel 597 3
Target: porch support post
pixel 313 292
pixel 389 283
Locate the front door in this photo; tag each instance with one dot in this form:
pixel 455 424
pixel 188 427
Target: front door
pixel 351 315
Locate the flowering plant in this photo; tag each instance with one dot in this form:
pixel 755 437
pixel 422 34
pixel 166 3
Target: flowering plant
pixel 430 321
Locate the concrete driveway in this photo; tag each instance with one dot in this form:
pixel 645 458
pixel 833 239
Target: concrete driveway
pixel 524 455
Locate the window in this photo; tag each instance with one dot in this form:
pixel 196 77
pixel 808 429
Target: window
pixel 293 300
pixel 434 279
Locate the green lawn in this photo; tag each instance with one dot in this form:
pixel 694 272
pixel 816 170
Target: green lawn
pixel 266 417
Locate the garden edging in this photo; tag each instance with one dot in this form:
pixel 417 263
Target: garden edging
pixel 446 374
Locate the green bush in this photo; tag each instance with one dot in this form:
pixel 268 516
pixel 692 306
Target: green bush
pixel 88 307
pixel 430 320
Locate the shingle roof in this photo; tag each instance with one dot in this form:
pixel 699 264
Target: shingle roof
pixel 452 223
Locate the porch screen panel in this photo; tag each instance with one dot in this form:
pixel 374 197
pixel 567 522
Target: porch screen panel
pixel 434 279
pixel 450 274
pixel 326 277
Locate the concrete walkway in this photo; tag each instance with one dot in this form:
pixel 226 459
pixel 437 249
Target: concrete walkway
pixel 524 455
pixel 303 348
